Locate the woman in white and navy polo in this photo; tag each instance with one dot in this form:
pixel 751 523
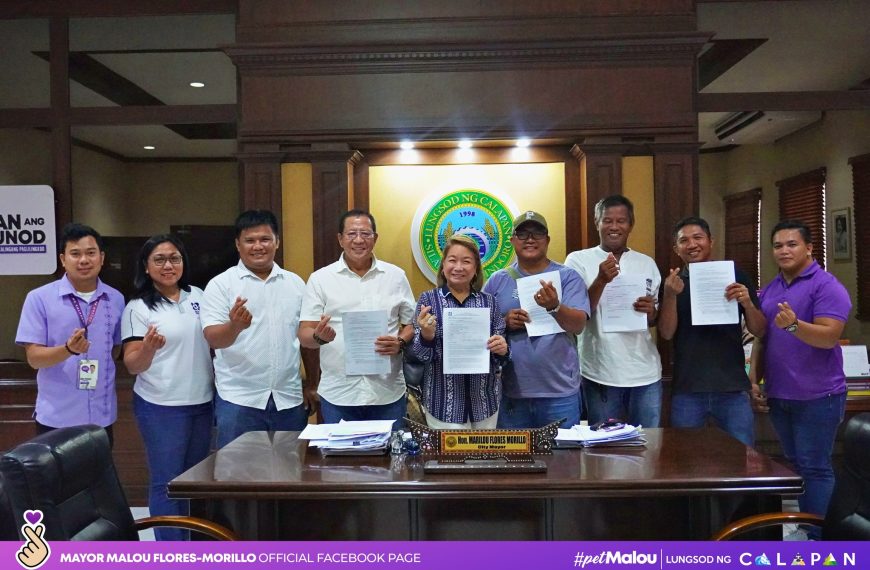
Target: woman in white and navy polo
pixel 165 348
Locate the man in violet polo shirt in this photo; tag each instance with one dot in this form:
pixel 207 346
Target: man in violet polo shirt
pixel 806 310
pixel 69 330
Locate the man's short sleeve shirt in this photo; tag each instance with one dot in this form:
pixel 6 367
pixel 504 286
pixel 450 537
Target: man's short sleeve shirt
pixel 336 289
pixel 543 366
pixel 622 359
pixel 48 318
pixel 264 359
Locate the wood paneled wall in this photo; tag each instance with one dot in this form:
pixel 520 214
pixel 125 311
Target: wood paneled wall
pixel 601 77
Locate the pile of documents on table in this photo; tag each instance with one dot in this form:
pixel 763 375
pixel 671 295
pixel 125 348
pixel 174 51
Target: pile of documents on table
pixel 349 438
pixel 622 435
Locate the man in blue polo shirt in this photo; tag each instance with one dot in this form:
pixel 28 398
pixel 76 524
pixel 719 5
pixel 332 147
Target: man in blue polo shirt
pixel 543 382
pixel 69 330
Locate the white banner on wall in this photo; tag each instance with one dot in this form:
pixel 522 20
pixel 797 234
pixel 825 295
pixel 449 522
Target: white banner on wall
pixel 28 245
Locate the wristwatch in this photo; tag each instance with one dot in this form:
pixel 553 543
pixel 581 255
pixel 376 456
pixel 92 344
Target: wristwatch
pixel 402 344
pixel 555 309
pixel 792 328
pixel 319 340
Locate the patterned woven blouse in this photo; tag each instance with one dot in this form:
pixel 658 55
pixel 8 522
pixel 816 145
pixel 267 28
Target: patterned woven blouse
pixel 457 398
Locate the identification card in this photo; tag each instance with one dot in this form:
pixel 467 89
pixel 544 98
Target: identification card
pixel 89 371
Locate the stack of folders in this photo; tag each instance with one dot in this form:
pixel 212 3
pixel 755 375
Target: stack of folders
pixel 350 438
pixel 621 435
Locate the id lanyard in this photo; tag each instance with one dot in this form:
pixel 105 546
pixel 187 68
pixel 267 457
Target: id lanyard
pixel 91 314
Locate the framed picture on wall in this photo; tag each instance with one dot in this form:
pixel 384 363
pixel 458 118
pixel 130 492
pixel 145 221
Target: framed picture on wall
pixel 841 231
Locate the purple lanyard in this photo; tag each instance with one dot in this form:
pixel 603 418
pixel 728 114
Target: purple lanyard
pixel 91 314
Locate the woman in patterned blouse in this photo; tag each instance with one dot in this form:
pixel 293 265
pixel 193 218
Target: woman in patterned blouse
pixel 454 401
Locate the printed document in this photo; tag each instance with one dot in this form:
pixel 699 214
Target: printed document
pixel 707 283
pixel 466 332
pixel 542 323
pixel 617 304
pixel 361 329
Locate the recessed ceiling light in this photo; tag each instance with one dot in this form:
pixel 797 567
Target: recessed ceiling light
pixel 465 144
pixel 406 145
pixel 523 142
pixel 197 84
pixel 149 147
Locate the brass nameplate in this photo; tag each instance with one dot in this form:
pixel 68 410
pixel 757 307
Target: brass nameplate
pixel 487 441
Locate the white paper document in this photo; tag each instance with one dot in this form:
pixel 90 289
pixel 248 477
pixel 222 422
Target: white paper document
pixel 707 283
pixel 361 329
pixel 855 364
pixel 617 304
pixel 466 332
pixel 542 323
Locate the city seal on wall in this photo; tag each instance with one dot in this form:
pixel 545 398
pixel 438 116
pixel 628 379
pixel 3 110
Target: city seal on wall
pixel 484 216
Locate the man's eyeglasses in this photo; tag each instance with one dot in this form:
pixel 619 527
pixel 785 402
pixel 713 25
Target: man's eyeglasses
pixel 362 235
pixel 160 260
pixel 523 235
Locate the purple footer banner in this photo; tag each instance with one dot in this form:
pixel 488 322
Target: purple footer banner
pixel 431 555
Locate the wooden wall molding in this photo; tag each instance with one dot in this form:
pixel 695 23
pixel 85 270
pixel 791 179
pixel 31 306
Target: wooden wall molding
pixel 292 60
pixel 321 23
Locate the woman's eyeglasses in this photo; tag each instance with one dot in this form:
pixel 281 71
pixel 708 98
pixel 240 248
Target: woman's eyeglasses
pixel 160 260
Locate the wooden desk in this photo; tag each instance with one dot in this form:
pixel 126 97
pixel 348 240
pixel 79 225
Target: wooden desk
pixel 685 484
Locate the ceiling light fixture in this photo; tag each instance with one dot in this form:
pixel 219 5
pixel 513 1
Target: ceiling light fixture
pixel 197 84
pixel 465 144
pixel 523 142
pixel 406 145
pixel 149 147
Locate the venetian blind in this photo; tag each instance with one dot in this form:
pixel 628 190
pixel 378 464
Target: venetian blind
pixel 802 197
pixel 742 219
pixel 861 195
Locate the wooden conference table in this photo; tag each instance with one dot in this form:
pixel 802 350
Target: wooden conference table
pixel 685 484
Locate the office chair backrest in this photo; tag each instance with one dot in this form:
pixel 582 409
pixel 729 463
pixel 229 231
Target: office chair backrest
pixel 848 516
pixel 68 474
pixel 8 529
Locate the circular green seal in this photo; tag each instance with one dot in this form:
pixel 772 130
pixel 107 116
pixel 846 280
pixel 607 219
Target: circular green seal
pixel 483 216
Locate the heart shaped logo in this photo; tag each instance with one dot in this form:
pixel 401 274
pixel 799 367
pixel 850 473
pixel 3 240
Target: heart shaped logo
pixel 33 517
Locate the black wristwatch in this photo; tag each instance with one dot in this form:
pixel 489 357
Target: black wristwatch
pixel 792 328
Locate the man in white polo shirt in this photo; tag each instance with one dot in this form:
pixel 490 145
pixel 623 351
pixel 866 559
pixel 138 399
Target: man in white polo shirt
pixel 358 281
pixel 621 370
pixel 250 314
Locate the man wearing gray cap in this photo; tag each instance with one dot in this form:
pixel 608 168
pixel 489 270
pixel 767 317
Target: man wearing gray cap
pixel 543 383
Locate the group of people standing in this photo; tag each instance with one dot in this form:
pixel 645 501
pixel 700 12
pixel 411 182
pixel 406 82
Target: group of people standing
pixel 265 324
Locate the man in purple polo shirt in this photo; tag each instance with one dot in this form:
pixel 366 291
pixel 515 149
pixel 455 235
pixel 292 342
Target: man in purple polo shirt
pixel 69 330
pixel 806 309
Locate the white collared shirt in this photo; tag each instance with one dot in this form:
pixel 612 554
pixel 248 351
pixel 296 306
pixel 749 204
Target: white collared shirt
pixel 335 289
pixel 264 359
pixel 622 359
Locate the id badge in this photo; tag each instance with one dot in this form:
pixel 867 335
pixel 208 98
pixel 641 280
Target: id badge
pixel 89 371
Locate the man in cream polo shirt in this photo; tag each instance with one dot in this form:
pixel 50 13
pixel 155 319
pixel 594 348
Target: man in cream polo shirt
pixel 250 314
pixel 621 370
pixel 358 281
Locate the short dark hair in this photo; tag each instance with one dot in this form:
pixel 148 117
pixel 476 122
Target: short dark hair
pixel 253 218
pixel 798 225
pixel 145 289
pixel 356 213
pixel 610 202
pixel 75 232
pixel 691 221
